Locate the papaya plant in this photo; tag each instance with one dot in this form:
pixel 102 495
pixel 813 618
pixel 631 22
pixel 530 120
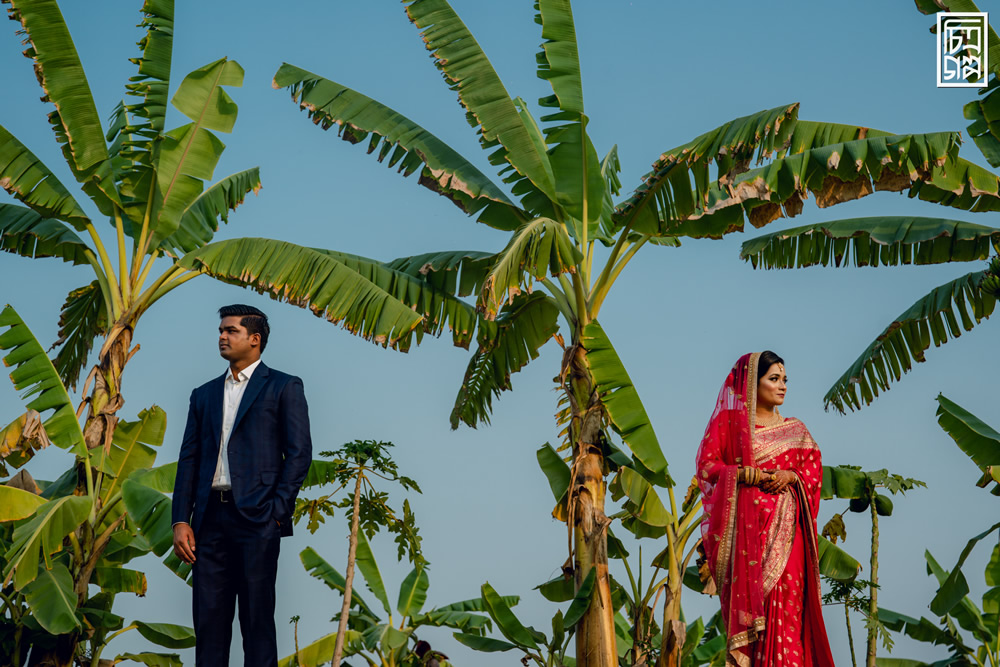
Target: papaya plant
pixel 851 595
pixel 387 641
pixel 57 541
pixel 360 462
pixel 862 490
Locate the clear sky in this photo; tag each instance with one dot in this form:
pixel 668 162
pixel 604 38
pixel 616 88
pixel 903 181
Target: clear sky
pixel 656 74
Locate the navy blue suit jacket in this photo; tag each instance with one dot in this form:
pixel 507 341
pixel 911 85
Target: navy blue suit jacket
pixel 270 449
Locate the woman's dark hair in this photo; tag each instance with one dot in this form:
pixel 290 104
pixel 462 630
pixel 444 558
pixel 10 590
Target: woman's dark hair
pixel 254 320
pixel 767 359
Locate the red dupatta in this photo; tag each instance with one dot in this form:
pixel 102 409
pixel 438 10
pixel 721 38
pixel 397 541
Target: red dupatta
pixel 733 552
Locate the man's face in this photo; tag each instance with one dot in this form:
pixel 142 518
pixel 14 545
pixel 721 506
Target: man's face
pixel 235 343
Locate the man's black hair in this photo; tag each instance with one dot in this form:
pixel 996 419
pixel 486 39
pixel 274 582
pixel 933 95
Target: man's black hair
pixel 252 319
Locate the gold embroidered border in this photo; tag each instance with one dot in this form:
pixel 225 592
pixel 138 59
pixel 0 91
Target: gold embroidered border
pixel 750 391
pixel 733 655
pixel 749 635
pixel 778 547
pixel 723 560
pixel 737 659
pixel 812 541
pixel 769 445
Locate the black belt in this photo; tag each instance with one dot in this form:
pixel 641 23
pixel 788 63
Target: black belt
pixel 222 495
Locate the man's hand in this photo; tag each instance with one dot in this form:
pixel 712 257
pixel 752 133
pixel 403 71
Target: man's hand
pixel 184 542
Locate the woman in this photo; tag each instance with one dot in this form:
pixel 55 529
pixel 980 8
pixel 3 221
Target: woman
pixel 760 475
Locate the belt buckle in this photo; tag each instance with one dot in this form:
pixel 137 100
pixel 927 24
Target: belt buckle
pixel 222 495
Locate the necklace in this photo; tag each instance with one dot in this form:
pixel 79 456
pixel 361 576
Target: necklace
pixel 773 420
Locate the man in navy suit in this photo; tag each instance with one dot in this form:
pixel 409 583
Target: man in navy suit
pixel 245 452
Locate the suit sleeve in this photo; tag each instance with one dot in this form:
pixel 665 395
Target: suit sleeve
pixel 296 448
pixel 187 469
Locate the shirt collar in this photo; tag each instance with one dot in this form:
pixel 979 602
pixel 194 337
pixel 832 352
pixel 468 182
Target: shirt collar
pixel 244 374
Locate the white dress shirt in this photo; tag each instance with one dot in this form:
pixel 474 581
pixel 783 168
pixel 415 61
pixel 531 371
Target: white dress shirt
pixel 232 395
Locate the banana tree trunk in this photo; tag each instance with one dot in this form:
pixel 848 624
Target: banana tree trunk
pixel 674 630
pixel 595 633
pixel 106 397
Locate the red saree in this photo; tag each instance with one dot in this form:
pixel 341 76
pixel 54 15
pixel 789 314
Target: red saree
pixel 761 548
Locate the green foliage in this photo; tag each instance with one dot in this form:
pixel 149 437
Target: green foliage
pixel 535 646
pixel 960 619
pixel 947 310
pixel 977 439
pixel 43 538
pixel 386 641
pixel 365 460
pixel 36 376
pixel 621 400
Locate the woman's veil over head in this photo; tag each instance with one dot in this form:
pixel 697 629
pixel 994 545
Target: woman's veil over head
pixel 731 526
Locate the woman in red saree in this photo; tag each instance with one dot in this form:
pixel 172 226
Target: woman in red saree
pixel 760 476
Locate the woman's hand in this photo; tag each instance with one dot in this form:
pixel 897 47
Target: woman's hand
pixel 777 481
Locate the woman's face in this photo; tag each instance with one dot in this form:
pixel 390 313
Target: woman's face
pixel 772 387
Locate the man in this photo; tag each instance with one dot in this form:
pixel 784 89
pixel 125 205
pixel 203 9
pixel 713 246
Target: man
pixel 245 452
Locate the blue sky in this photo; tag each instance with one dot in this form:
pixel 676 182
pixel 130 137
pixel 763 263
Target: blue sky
pixel 655 75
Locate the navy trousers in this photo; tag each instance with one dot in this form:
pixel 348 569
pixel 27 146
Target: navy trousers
pixel 236 561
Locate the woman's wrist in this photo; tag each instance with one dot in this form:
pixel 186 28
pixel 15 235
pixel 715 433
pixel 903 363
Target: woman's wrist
pixel 751 476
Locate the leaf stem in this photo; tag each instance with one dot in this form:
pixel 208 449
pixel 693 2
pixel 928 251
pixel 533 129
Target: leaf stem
pixel 77 550
pixel 122 257
pixel 108 505
pixel 95 660
pixel 570 295
pixel 140 247
pixel 615 251
pixel 141 279
pixel 109 271
pixel 583 317
pixel 15 612
pixel 599 296
pixel 170 286
pixel 102 281
pixel 562 302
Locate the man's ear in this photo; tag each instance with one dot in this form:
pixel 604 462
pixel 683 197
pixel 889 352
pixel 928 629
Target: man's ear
pixel 255 340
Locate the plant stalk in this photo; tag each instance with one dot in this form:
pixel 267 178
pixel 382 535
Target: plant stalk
pixel 123 258
pixel 352 551
pixel 109 272
pixel 873 590
pixel 850 635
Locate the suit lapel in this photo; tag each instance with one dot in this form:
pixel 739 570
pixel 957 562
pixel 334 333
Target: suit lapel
pixel 216 398
pixel 257 382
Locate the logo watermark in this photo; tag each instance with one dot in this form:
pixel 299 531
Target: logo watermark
pixel 962 53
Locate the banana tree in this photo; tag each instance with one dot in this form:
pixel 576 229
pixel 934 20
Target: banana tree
pixel 644 515
pixel 549 273
pixel 387 642
pixel 58 541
